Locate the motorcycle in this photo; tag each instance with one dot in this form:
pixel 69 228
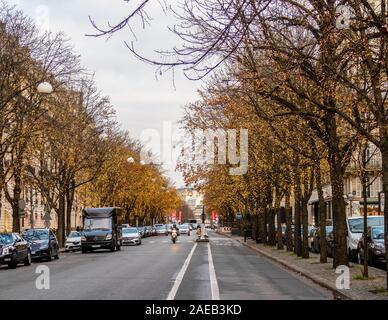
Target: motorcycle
pixel 174 236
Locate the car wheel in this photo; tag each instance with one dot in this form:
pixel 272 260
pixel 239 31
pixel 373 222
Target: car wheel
pixel 352 255
pixel 14 261
pixel 371 259
pixel 113 247
pixel 50 255
pixel 83 250
pixel 27 260
pixel 118 247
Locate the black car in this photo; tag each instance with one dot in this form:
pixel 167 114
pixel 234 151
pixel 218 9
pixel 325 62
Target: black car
pixel 315 243
pixel 376 246
pixel 44 243
pixel 14 250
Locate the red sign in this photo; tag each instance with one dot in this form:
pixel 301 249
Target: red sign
pixel 174 215
pixel 180 216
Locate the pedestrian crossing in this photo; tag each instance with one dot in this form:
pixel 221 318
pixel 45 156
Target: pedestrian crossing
pixel 216 242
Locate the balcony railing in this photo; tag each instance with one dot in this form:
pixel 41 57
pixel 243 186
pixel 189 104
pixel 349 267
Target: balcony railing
pixel 372 165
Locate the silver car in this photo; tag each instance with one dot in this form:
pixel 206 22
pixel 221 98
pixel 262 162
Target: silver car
pixel 130 236
pixel 73 241
pixel 184 229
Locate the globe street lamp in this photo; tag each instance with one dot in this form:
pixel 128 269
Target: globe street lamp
pixel 45 88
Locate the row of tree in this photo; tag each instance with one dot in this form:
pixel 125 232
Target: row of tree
pixel 65 144
pixel 309 81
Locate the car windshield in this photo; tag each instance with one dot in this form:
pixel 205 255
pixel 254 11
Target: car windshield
pixel 74 234
pixel 357 225
pixel 35 234
pixel 6 239
pixel 130 230
pixel 378 233
pixel 184 226
pixel 97 224
pixel 161 227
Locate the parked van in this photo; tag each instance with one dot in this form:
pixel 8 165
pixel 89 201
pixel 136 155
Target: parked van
pixel 355 227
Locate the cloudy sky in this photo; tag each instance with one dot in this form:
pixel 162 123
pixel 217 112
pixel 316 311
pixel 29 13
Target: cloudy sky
pixel 143 101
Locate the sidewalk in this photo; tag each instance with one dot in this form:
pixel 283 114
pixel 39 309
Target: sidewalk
pixel 323 274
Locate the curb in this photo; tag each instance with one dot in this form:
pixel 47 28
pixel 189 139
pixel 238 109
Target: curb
pixel 317 280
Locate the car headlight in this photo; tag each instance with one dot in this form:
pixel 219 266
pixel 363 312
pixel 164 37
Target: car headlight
pixel 108 237
pixel 83 238
pixel 7 250
pixel 377 246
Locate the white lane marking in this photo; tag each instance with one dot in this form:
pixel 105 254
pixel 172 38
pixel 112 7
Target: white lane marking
pixel 213 279
pixel 180 275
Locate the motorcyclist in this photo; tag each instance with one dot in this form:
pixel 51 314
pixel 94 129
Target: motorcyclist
pixel 199 231
pixel 174 229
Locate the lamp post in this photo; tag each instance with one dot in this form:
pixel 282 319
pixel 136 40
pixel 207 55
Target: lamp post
pixel 350 197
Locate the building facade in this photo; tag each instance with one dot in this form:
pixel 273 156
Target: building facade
pixel 353 187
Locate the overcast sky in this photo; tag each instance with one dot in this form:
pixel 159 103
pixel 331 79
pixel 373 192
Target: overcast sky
pixel 142 102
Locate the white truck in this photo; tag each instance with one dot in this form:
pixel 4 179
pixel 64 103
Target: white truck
pixel 355 227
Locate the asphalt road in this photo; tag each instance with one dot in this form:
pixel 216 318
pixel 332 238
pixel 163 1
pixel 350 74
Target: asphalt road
pixel 159 270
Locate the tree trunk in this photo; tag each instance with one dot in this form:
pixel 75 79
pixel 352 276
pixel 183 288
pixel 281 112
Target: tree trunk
pixel 271 228
pixel 61 219
pixel 264 225
pixel 69 205
pixel 322 214
pixel 384 154
pixel 280 245
pixel 340 253
pixel 297 205
pixel 305 245
pixel 15 203
pixel 261 224
pixel 288 222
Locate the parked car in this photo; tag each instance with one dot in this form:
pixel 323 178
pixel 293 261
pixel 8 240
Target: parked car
pixel 311 233
pixel 184 229
pixel 154 231
pixel 355 227
pixel 14 250
pixel 156 225
pixel 73 241
pixel 376 246
pixel 44 243
pixel 148 231
pixel 161 230
pixel 330 241
pixel 315 243
pixel 131 236
pixel 142 231
pixel 125 225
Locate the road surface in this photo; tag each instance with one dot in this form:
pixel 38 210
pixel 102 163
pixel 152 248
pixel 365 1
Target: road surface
pixel 160 270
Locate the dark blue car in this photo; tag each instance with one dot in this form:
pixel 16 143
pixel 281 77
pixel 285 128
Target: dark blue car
pixel 44 244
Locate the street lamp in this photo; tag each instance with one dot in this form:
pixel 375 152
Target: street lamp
pixel 350 197
pixel 45 88
pixel 130 160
